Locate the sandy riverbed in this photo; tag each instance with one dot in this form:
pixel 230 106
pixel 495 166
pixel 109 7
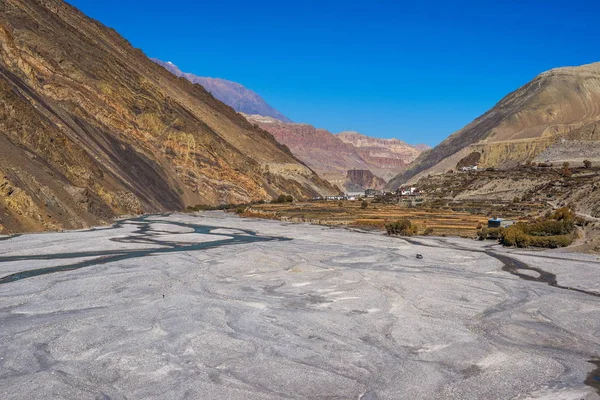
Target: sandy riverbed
pixel 252 309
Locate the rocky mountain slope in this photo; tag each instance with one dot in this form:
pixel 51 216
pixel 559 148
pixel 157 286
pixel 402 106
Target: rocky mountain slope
pixel 558 106
pixel 231 93
pixel 383 155
pixel 90 128
pixel 332 156
pixel 360 179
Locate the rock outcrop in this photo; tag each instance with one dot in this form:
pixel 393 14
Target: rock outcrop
pixel 360 179
pixel 90 129
pixel 559 105
pixel 384 156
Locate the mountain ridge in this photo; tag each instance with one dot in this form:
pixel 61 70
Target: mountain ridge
pixel 562 103
pixel 333 155
pixel 91 129
pixel 231 93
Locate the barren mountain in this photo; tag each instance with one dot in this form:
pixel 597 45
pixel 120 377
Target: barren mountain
pixel 90 128
pixel 557 107
pixel 360 179
pixel 231 93
pixel 383 155
pixel 332 156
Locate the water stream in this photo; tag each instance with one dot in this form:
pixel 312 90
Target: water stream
pixel 144 234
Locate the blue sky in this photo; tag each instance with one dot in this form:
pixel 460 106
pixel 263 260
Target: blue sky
pixel 417 71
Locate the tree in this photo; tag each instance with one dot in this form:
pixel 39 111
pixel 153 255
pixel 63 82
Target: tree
pixel 283 199
pixel 587 164
pixel 404 228
pixel 364 204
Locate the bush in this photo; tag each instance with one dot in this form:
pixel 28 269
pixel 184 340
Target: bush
pixel 514 236
pixel 240 210
pixel 563 213
pixel 548 227
pixel 402 228
pixel 587 164
pixel 482 233
pixel 204 207
pixel 282 198
pixel 489 233
pixel 546 234
pixel 428 232
pixel 364 204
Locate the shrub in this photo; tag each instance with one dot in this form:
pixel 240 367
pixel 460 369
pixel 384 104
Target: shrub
pixel 482 233
pixel 428 231
pixel 563 213
pixel 364 204
pixel 402 228
pixel 587 164
pixel 548 227
pixel 514 236
pixel 489 233
pixel 282 198
pixel 547 234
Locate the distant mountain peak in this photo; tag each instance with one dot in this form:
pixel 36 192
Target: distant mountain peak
pixel 233 94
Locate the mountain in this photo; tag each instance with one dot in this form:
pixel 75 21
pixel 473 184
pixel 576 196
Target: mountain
pixel 361 179
pixel 332 156
pixel 231 93
pixel 383 155
pixel 90 129
pixel 553 114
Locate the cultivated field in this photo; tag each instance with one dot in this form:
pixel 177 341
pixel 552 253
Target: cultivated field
pixel 442 221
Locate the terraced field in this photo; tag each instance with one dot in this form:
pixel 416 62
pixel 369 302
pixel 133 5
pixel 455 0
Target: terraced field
pixel 444 221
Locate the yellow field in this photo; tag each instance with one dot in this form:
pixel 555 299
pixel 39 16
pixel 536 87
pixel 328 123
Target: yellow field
pixel 443 222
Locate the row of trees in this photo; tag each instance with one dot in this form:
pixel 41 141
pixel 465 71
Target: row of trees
pixel 556 230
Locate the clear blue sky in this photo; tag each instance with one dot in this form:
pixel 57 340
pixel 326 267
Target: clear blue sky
pixel 415 70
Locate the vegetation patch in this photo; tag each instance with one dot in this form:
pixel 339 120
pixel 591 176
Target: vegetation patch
pixel 556 231
pixel 403 228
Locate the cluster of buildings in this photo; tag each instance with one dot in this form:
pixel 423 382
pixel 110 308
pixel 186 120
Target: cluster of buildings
pixel 373 193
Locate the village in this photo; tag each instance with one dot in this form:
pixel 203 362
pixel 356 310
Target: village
pixel 401 192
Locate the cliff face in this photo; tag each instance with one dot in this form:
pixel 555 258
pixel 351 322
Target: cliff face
pixel 231 93
pixel 331 156
pixel 563 103
pixel 360 179
pixel 384 156
pixel 90 128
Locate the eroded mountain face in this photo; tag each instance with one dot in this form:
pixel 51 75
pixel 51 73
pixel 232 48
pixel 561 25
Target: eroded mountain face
pixel 558 109
pixel 90 128
pixel 384 156
pixel 333 156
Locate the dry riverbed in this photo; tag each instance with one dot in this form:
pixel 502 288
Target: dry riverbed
pixel 213 306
